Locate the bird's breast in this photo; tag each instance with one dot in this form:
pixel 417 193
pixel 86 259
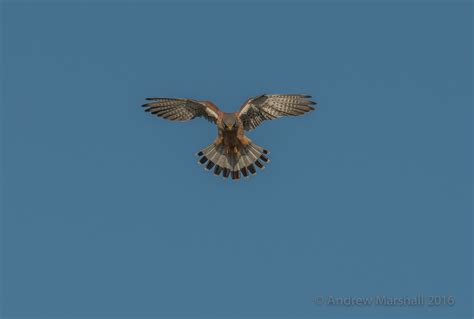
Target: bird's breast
pixel 230 137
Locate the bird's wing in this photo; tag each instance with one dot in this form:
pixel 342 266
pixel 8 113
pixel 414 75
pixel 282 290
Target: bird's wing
pixel 271 106
pixel 182 109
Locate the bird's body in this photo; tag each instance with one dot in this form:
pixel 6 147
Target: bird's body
pixel 232 153
pixel 231 132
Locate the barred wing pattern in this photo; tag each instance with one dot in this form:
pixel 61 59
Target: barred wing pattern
pixel 182 109
pixel 272 106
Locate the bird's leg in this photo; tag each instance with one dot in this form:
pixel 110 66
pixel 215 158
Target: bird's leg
pixel 244 140
pixel 219 139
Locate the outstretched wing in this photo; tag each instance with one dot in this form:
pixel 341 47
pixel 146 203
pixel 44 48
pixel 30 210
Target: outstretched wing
pixel 182 109
pixel 271 106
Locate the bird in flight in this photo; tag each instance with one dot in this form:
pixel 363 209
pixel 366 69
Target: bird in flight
pixel 232 153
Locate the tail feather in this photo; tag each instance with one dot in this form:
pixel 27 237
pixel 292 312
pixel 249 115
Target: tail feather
pixel 249 158
pixel 222 161
pixel 235 174
pixel 252 169
pixel 238 165
pixel 215 156
pixel 264 158
pixel 212 153
pixel 226 172
pixel 217 170
pixel 257 155
pixel 203 160
pixel 245 159
pixel 209 165
pixel 225 162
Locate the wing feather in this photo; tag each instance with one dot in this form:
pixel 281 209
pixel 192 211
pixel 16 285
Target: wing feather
pixel 272 106
pixel 182 109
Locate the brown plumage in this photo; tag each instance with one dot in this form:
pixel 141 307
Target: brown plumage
pixel 232 153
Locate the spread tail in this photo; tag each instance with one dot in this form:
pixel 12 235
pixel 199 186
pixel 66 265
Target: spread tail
pixel 229 162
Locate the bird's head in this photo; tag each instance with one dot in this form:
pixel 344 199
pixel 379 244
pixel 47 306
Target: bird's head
pixel 230 122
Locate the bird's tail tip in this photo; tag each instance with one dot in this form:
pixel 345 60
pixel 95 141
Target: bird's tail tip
pixel 222 162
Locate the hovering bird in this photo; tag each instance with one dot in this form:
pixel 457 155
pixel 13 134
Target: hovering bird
pixel 232 152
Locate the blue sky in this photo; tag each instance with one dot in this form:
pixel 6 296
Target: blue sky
pixel 106 213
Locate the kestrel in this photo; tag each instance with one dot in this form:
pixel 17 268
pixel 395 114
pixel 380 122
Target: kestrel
pixel 232 152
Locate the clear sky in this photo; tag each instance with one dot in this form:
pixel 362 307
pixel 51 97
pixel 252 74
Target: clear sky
pixel 106 213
